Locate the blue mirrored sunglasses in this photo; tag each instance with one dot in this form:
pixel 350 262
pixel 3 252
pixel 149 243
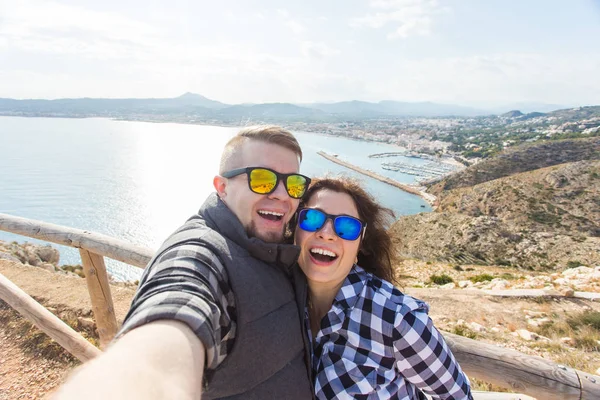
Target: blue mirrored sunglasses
pixel 345 226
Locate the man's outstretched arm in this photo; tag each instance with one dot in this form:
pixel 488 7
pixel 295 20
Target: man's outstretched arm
pixel 160 360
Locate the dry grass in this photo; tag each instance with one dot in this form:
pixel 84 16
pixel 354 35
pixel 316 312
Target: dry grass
pixel 33 341
pixel 583 328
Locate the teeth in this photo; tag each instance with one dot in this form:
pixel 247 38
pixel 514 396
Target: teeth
pixel 264 212
pixel 324 252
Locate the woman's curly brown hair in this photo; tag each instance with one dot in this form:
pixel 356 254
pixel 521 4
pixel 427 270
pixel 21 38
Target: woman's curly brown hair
pixel 376 253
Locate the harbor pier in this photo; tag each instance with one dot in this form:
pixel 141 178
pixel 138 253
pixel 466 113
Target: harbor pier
pixel 402 186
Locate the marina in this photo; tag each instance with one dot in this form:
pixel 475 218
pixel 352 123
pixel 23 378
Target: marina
pixel 413 189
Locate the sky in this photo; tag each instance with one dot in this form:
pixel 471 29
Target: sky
pixel 468 52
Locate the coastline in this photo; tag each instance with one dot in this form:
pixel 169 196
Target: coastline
pixel 219 125
pixel 412 189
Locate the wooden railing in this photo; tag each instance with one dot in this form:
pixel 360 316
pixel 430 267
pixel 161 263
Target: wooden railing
pixel 511 369
pixel 93 247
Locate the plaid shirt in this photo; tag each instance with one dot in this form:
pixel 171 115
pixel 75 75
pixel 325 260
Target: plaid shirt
pixel 376 343
pixel 189 284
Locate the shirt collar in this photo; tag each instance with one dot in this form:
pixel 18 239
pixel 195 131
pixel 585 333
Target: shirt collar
pixel 351 289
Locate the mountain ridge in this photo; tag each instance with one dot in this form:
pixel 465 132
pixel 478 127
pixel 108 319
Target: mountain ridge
pixel 206 106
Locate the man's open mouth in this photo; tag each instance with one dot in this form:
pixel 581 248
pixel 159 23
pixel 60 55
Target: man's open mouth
pixel 270 215
pixel 323 255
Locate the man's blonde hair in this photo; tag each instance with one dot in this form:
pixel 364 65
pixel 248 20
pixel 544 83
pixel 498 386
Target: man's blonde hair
pixel 261 133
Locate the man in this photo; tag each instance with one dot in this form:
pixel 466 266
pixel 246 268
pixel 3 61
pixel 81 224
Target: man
pixel 215 309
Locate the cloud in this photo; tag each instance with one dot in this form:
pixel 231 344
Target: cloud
pixel 295 26
pixel 407 17
pixel 283 13
pixel 502 77
pixel 318 50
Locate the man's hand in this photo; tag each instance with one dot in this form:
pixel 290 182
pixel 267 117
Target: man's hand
pixel 160 360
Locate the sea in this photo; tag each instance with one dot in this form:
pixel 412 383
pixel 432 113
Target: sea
pixel 139 181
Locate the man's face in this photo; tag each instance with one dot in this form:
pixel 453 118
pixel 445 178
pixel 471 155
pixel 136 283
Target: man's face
pixel 256 211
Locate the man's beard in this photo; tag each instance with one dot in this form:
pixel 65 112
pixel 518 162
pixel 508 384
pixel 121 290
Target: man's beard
pixel 269 237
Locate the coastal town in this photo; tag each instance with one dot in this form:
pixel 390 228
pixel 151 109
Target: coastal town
pixel 467 139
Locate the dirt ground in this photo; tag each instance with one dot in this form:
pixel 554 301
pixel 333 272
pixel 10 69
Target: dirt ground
pixel 28 372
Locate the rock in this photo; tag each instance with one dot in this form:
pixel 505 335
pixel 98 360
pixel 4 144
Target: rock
pixel 567 341
pixel 474 326
pixel 495 329
pixel 533 322
pixel 567 292
pixel 464 284
pixel 47 266
pixel 86 323
pixel 48 254
pixel 32 259
pixel 9 257
pixel 447 286
pixel 461 322
pixel 532 313
pixel 598 371
pixel 542 338
pixel 526 335
pixel 539 322
pixel 576 271
pixel 499 286
pixel 561 281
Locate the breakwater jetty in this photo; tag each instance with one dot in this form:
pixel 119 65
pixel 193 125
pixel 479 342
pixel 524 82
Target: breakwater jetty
pixel 402 186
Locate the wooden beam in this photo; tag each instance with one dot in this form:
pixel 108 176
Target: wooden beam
pixel 49 323
pixel 99 289
pixel 97 243
pixel 521 373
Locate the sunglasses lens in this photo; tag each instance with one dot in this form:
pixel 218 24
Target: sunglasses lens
pixel 262 181
pixel 348 228
pixel 296 186
pixel 311 220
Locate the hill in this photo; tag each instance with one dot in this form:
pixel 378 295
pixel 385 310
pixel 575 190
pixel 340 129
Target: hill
pixel 521 159
pixel 397 109
pixel 534 207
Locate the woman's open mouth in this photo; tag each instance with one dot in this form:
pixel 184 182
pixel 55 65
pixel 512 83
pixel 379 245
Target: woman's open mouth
pixel 323 256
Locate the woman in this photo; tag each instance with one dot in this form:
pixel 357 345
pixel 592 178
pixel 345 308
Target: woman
pixel 368 339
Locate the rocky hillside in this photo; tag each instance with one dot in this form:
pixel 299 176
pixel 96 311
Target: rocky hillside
pixel 45 257
pixel 544 218
pixel 522 159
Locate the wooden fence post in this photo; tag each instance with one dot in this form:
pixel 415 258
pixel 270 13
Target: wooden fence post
pixel 102 304
pixel 49 323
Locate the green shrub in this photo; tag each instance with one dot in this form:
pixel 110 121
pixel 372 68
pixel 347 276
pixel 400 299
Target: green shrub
pixel 573 264
pixel 543 217
pixel 586 318
pixel 441 279
pixel 481 278
pixel 458 268
pixel 462 330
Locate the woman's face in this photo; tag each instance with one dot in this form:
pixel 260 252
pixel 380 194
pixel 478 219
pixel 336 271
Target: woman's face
pixel 324 268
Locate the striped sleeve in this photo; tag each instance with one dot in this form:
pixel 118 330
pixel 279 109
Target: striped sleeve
pixel 188 283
